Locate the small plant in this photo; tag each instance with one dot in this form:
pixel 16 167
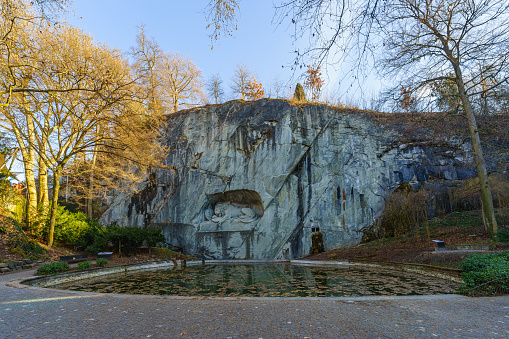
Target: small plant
pixel 101 262
pixel 333 256
pixel 84 265
pixel 3 229
pixel 52 268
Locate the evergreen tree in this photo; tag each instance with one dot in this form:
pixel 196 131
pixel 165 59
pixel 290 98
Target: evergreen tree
pixel 299 94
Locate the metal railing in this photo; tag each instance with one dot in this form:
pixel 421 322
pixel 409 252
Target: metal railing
pixel 494 287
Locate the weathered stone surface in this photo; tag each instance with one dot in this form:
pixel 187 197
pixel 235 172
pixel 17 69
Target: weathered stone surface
pixel 255 180
pixel 13 263
pixel 2 265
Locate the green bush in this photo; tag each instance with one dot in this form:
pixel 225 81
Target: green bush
pixel 126 239
pixel 153 237
pixel 72 228
pixel 479 262
pixel 99 243
pixel 479 269
pixel 52 268
pixel 101 262
pixel 129 238
pixel 84 265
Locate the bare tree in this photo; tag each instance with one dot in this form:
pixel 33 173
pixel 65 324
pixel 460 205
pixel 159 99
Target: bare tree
pixel 215 89
pixel 181 81
pixel 451 37
pixel 147 56
pixel 18 20
pixel 240 79
pixel 278 86
pixel 222 17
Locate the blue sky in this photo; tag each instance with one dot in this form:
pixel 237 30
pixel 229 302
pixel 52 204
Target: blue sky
pixel 180 26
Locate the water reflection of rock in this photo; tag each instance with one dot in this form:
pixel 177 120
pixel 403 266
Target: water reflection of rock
pixel 267 280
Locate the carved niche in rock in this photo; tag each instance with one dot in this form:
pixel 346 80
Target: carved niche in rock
pixel 238 210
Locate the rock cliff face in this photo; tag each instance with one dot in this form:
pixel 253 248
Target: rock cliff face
pixel 254 180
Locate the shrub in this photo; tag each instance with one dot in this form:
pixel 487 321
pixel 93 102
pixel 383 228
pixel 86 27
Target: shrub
pixel 479 269
pixel 299 94
pixel 52 268
pixel 317 243
pixel 126 240
pixel 72 228
pixel 153 237
pixel 99 244
pixel 101 262
pixel 20 243
pixel 403 212
pixel 165 253
pixel 84 265
pixel 480 262
pixel 129 238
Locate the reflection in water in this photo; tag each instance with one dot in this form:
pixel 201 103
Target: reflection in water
pixel 263 280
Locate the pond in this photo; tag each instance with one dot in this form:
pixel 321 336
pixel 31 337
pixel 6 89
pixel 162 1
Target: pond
pixel 266 280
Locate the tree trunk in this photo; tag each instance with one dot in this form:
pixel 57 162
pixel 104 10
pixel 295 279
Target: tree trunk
pixel 43 196
pixel 31 196
pixel 54 204
pixel 175 103
pixel 486 198
pixel 28 153
pixel 90 199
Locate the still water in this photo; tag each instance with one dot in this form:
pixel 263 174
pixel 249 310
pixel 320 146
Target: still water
pixel 266 280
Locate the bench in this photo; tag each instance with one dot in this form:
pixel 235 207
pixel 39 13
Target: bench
pixel 105 255
pixel 439 245
pixel 70 259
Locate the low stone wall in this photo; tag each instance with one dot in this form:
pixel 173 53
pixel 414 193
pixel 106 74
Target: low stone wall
pixel 432 271
pixel 17 265
pixel 50 280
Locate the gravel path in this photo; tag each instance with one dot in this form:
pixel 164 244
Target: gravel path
pixel 28 312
